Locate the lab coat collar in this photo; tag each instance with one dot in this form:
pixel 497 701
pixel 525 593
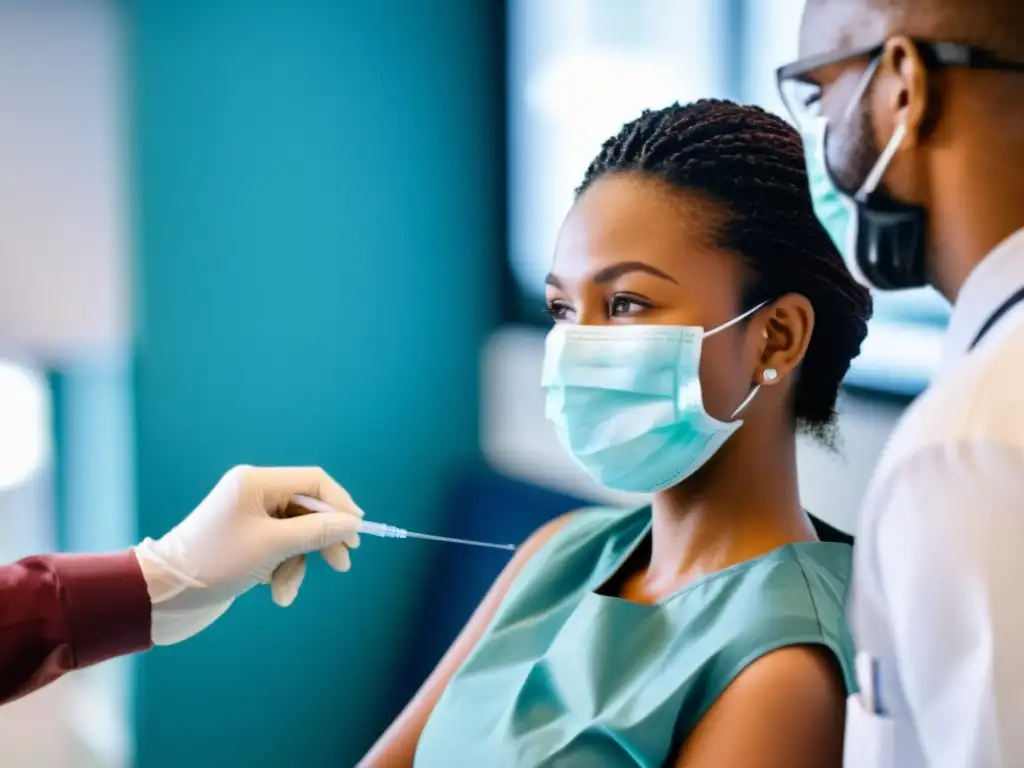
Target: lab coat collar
pixel 997 277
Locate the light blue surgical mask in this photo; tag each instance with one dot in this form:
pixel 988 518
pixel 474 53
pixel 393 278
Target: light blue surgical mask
pixel 835 210
pixel 626 402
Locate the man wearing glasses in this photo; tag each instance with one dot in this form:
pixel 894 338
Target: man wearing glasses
pixel 912 113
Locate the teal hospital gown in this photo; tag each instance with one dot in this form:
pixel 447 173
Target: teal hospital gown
pixel 567 677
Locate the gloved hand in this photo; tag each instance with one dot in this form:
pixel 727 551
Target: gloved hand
pixel 237 538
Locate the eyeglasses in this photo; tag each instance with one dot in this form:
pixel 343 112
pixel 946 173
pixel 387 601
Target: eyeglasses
pixel 802 96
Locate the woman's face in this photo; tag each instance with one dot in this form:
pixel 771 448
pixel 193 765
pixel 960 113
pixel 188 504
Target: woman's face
pixel 634 250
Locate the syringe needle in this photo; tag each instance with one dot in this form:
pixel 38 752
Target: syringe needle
pixel 470 542
pixel 301 505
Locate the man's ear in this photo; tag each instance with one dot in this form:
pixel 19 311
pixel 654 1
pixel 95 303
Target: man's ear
pixel 901 97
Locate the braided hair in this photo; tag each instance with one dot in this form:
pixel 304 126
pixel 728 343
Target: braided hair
pixel 751 163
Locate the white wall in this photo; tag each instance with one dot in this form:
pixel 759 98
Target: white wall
pixel 518 441
pixel 63 268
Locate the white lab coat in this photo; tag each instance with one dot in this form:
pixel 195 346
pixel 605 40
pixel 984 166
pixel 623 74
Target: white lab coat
pixel 937 605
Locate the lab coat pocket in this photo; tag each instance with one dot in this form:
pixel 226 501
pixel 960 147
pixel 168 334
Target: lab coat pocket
pixel 870 738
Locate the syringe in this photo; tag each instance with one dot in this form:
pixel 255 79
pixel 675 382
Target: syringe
pixel 302 504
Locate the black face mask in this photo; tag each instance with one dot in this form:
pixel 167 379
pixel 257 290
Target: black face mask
pixel 888 240
pixel 882 239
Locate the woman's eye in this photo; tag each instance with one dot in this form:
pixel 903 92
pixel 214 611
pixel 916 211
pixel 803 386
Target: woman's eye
pixel 622 305
pixel 558 311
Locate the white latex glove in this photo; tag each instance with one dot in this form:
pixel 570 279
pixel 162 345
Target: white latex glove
pixel 237 538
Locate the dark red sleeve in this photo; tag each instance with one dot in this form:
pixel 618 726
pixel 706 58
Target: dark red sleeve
pixel 65 612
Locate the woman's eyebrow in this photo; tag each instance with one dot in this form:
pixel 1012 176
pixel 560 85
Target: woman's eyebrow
pixel 615 271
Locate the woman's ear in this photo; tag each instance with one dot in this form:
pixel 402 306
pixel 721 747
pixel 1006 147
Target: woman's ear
pixel 786 326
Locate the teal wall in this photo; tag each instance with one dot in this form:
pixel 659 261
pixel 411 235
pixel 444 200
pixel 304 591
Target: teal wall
pixel 317 201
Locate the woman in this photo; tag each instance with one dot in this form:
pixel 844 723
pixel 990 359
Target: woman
pixel 705 630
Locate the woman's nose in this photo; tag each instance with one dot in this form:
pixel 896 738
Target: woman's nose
pixel 591 313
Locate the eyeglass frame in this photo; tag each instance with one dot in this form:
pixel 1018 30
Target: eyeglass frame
pixel 936 55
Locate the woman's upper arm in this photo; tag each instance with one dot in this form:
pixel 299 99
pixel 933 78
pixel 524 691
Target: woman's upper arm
pixel 785 710
pixel 397 746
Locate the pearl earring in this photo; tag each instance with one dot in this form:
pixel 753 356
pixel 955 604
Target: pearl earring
pixel 770 374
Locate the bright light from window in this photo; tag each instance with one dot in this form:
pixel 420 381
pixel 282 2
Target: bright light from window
pixel 24 424
pixel 579 70
pixel 599 86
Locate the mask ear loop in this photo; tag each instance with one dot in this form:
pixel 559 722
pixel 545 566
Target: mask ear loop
pixel 729 324
pixel 737 319
pixel 746 401
pixel 881 165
